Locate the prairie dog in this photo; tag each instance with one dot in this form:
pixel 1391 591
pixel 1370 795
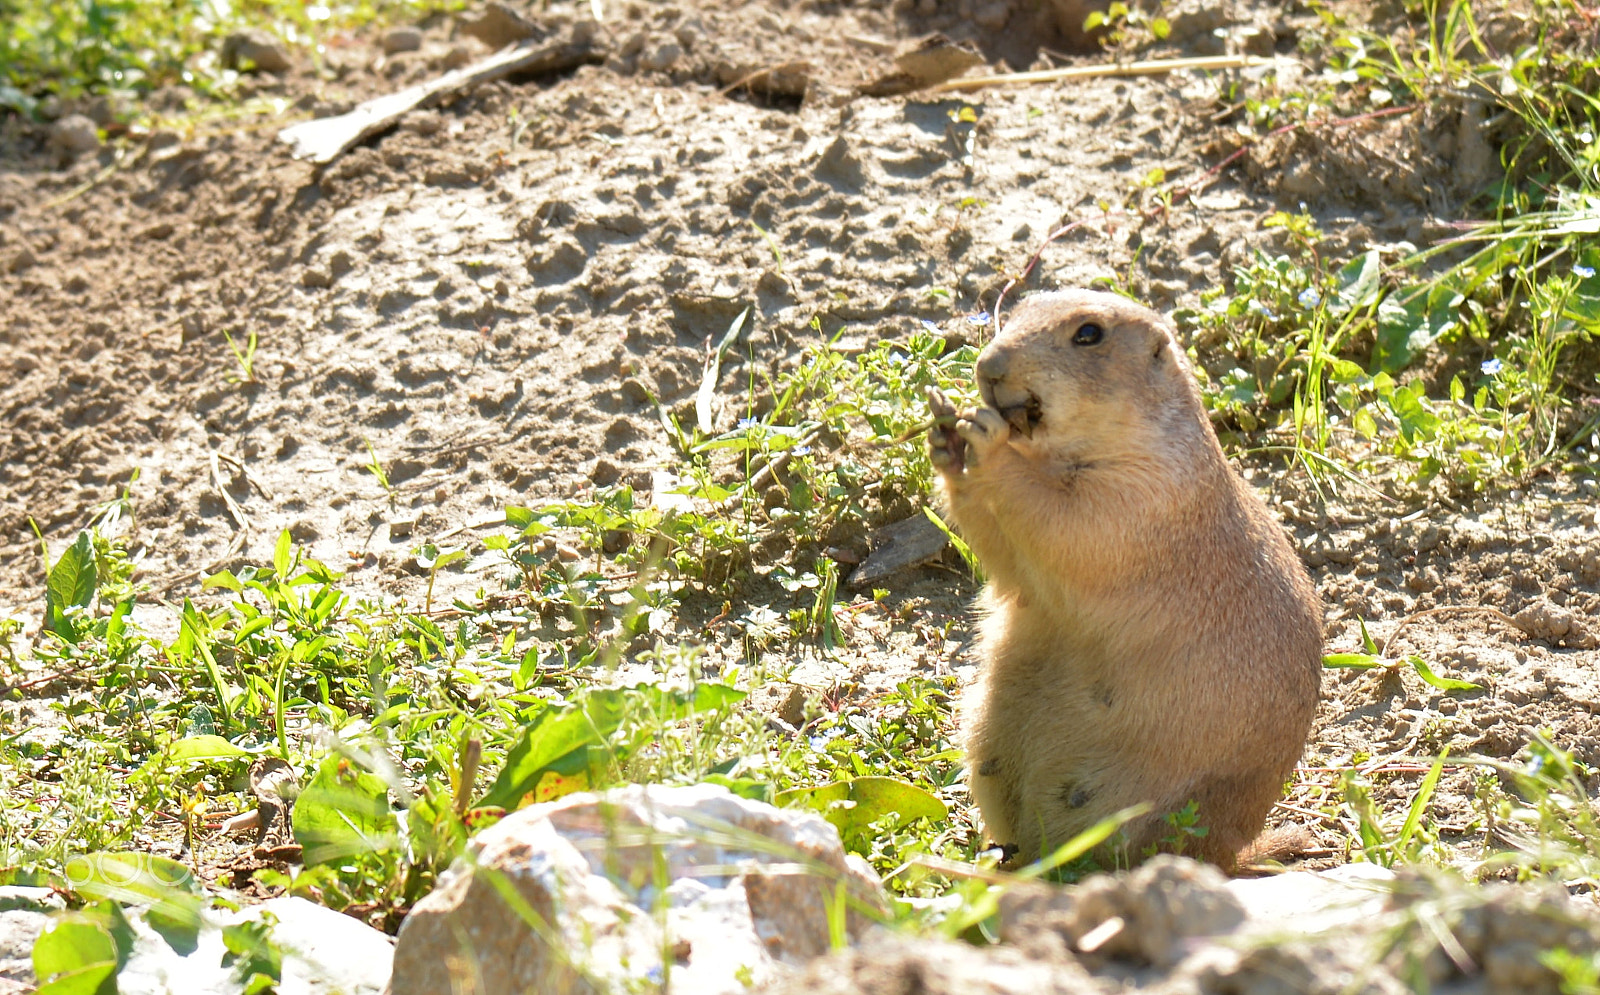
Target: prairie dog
pixel 1149 635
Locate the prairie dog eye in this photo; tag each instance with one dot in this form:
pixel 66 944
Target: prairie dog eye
pixel 1088 333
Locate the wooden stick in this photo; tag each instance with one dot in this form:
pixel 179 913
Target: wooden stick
pixel 322 140
pixel 1147 68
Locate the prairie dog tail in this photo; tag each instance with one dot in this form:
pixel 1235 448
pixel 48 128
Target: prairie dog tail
pixel 1278 844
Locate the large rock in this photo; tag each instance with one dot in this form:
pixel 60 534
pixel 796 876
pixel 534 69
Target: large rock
pixel 324 953
pixel 692 888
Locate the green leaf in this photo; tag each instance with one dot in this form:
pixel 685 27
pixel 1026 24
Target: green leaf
pixel 1358 283
pixel 1419 805
pixel 1416 421
pixel 344 811
pixel 256 959
pixel 962 549
pixel 193 749
pixel 1442 683
pixel 853 806
pixel 555 735
pixel 224 579
pixel 744 787
pixel 71 584
pixel 283 553
pixel 1406 330
pixel 75 955
pixel 1367 642
pixel 194 640
pixel 1357 661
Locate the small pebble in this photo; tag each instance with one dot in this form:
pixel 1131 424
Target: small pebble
pixel 662 57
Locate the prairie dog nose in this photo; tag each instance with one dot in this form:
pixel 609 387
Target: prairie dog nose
pixel 992 365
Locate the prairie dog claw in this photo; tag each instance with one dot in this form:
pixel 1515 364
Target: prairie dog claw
pixel 958 439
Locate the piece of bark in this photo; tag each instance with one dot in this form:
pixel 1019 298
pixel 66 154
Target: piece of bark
pixel 324 139
pixel 908 543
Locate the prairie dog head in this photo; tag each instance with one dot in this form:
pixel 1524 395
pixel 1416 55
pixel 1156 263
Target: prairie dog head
pixel 1090 375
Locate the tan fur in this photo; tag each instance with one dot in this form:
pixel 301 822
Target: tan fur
pixel 1149 634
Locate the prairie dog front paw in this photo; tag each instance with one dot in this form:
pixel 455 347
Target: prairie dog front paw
pixel 983 430
pixel 959 440
pixel 947 450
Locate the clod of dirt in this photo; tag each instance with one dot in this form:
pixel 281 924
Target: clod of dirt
pixel 1499 932
pixel 499 25
pixel 892 966
pixel 1145 917
pixel 74 135
pixel 933 60
pixel 1555 625
pixel 402 39
pixel 254 50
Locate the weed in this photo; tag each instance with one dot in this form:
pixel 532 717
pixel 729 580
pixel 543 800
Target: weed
pixel 246 358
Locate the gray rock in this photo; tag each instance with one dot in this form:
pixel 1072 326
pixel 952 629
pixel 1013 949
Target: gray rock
pixel 402 39
pixel 74 135
pixel 724 888
pixel 254 50
pixel 30 899
pixel 19 931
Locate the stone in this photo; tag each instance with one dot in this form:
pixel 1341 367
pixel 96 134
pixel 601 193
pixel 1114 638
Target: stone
pixel 74 135
pixel 402 39
pixel 662 57
pixel 17 260
pixel 324 953
pixel 254 50
pixel 1313 901
pixel 692 889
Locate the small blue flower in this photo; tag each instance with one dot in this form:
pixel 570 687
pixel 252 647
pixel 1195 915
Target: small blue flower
pixel 1583 272
pixel 749 423
pixel 1491 367
pixel 930 326
pixel 897 359
pixel 1309 297
pixel 654 974
pixel 1263 310
pixel 802 450
pixel 981 318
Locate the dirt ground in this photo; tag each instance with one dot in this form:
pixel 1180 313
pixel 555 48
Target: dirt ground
pixel 491 295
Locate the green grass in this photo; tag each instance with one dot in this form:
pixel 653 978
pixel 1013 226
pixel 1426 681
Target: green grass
pixel 1322 356
pixel 70 48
